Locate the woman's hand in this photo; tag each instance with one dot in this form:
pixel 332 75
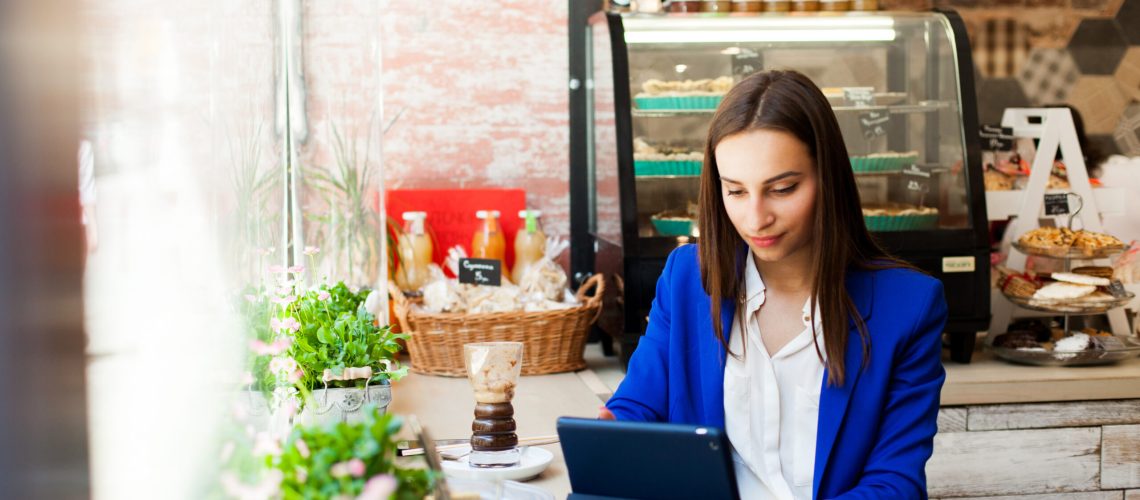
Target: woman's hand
pixel 605 413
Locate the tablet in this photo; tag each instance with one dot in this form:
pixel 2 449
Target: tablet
pixel 612 459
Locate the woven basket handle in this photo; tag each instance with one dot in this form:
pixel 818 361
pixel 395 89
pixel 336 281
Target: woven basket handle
pixel 401 306
pixel 596 283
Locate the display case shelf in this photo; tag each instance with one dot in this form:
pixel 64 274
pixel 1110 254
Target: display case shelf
pixel 894 109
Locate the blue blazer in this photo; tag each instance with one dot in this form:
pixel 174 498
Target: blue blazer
pixel 875 432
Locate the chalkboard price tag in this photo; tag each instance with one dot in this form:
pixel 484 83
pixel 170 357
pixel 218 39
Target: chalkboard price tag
pixel 996 138
pixel 1116 288
pixel 1057 204
pixel 874 123
pixel 746 62
pixel 917 179
pixel 481 272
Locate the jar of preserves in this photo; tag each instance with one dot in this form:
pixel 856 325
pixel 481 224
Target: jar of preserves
pixel 716 5
pixel 805 5
pixel 530 244
pixel 777 5
pixel 747 6
pixel 835 5
pixel 415 249
pixel 686 6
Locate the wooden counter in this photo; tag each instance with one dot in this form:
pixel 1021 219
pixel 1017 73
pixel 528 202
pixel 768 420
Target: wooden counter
pixel 988 380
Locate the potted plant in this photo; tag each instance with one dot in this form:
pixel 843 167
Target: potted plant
pixel 327 348
pixel 329 460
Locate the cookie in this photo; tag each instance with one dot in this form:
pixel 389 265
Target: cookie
pixel 1098 271
pixel 1063 291
pixel 1080 279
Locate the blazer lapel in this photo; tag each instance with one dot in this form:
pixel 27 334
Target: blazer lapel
pixel 716 356
pixel 833 401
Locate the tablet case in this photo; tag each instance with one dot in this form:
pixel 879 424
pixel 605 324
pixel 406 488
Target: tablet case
pixel 633 460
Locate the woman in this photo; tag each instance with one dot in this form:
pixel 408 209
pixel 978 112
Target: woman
pixel 787 325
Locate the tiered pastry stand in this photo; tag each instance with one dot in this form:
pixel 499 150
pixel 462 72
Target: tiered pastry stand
pixel 1055 130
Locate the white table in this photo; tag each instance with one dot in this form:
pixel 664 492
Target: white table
pixel 445 407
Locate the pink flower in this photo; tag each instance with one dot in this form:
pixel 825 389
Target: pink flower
pixel 279 365
pixel 275 269
pixel 284 301
pixel 250 297
pixel 302 474
pixel 290 323
pixel 302 448
pixel 380 487
pixel 297 269
pixel 323 295
pixel 354 467
pixel 310 251
pixel 296 376
pixel 265 444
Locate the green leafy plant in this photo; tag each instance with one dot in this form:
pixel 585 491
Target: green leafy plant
pixel 350 221
pixel 335 331
pixel 352 460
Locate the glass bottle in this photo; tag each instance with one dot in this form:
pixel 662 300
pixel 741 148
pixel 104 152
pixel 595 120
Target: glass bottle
pixel 488 242
pixel 415 250
pixel 530 244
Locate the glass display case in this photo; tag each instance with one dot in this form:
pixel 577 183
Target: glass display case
pixel 901 87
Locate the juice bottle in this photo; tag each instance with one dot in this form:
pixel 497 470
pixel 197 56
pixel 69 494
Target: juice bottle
pixel 489 242
pixel 415 249
pixel 530 244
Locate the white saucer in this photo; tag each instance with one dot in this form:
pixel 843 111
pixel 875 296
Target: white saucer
pixel 534 460
pixel 498 490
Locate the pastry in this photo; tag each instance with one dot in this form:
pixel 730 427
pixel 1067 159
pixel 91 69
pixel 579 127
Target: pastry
pixel 1016 340
pixel 1018 286
pixel 997 181
pixel 1080 279
pixel 897 209
pixel 1052 240
pixel 1076 342
pixel 705 86
pixel 1063 291
pixel 1098 271
pixel 1089 242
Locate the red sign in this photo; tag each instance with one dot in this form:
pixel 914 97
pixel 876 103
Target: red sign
pixel 451 214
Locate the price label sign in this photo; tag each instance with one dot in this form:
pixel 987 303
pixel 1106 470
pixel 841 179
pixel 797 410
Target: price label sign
pixel 1116 288
pixel 874 123
pixel 487 272
pixel 746 62
pixel 996 138
pixel 917 179
pixel 859 96
pixel 1056 204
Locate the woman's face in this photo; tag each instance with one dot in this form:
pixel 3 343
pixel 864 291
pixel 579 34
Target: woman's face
pixel 768 184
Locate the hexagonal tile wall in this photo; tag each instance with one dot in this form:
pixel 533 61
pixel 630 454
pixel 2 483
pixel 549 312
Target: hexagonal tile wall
pixel 996 94
pixel 1128 131
pixel 1128 73
pixel 1097 46
pixel 1129 16
pixel 1048 75
pixel 1100 102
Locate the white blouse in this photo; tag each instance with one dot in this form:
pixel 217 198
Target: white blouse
pixel 771 404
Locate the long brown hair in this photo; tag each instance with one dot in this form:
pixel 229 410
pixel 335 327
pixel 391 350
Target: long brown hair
pixel 788 101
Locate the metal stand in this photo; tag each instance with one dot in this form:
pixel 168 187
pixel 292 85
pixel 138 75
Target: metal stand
pixel 1055 129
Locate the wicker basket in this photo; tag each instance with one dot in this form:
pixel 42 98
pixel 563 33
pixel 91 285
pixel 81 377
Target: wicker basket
pixel 555 340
